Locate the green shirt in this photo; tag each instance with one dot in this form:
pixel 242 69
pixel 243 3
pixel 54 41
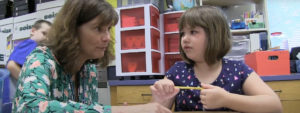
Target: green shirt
pixel 44 87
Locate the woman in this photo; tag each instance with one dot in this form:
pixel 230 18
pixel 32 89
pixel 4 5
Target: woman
pixel 61 76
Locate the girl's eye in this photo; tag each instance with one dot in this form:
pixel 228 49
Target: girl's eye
pixel 193 32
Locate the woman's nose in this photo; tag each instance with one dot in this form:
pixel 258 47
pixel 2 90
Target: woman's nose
pixel 106 36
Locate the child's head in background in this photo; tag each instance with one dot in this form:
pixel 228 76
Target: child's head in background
pixel 204 35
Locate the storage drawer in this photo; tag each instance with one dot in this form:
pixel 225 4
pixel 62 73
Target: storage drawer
pixel 291 106
pixel 286 90
pixel 133 94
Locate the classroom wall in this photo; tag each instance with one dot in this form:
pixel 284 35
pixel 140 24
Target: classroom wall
pixel 284 17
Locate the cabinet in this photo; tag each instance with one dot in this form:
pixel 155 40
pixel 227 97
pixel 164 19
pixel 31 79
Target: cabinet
pixel 143 47
pixel 289 94
pixel 130 94
pixel 6 30
pixel 256 37
pixel 171 38
pixel 138 41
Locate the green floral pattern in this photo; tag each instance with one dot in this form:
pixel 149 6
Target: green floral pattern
pixel 44 87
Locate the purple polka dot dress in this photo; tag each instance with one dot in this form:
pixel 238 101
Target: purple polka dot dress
pixel 231 78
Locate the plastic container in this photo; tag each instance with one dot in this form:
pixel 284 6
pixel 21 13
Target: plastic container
pixel 156 57
pixel 132 17
pixel 171 21
pixel 170 60
pixel 133 62
pixel 268 63
pixel 155 39
pixel 154 15
pixel 172 42
pixel 239 47
pixel 256 25
pixel 134 39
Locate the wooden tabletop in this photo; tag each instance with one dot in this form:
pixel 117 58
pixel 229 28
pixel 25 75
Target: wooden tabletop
pixel 206 112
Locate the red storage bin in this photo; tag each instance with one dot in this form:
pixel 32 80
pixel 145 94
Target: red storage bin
pixel 133 62
pixel 171 21
pixel 170 60
pixel 155 62
pixel 154 14
pixel 134 39
pixel 155 39
pixel 132 17
pixel 267 63
pixel 172 42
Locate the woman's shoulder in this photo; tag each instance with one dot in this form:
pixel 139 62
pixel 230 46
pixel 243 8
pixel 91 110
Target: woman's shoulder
pixel 41 50
pixel 41 54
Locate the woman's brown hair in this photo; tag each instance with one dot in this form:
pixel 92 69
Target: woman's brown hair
pixel 63 35
pixel 213 21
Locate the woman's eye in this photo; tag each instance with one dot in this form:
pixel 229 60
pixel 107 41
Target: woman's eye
pixel 98 28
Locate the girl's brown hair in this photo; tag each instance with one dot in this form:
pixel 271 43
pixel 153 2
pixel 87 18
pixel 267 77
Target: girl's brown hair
pixel 63 35
pixel 213 21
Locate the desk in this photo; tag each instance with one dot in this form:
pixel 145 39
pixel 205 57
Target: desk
pixel 206 112
pixel 286 86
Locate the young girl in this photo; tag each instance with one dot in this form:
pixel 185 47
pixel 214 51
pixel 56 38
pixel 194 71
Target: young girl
pixel 227 85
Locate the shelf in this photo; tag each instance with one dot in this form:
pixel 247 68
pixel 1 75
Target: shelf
pixel 171 32
pixel 133 51
pixel 172 53
pixel 228 2
pixel 137 28
pixel 140 50
pixel 153 50
pixel 172 12
pixel 238 31
pixel 132 28
pixel 247 31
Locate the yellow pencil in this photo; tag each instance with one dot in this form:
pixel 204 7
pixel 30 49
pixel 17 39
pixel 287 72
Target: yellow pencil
pixel 194 88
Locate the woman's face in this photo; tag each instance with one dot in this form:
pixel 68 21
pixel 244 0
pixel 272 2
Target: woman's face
pixel 94 39
pixel 194 42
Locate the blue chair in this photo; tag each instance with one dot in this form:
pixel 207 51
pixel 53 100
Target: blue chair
pixel 5 102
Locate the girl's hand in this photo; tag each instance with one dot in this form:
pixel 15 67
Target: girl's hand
pixel 213 97
pixel 163 90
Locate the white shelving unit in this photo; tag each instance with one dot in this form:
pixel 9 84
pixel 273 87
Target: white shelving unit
pixel 234 10
pixel 6 31
pixel 138 42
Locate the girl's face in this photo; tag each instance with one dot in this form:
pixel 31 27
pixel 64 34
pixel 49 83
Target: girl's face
pixel 194 42
pixel 94 39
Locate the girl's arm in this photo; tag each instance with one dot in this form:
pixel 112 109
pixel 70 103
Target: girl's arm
pixel 259 97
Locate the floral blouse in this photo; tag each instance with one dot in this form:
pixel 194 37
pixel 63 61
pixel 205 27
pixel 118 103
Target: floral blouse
pixel 231 78
pixel 44 87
